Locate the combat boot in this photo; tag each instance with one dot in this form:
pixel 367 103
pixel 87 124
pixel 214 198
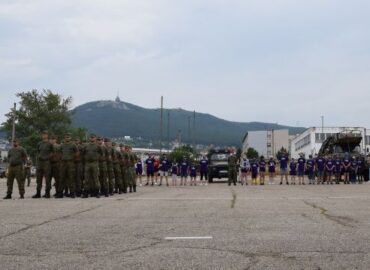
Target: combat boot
pixel 85 195
pixel 120 192
pixel 37 195
pixel 8 197
pixel 130 189
pixel 59 196
pixel 134 188
pixel 97 195
pixel 72 195
pixel 21 196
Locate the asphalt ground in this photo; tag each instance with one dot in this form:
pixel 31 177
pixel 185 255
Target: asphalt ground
pixel 254 227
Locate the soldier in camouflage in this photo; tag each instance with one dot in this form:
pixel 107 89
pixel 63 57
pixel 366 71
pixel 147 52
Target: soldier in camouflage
pixel 103 168
pixel 110 169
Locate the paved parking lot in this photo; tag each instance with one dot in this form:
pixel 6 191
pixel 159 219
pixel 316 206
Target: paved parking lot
pixel 270 227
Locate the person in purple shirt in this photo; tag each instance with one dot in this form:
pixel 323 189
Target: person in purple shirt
pixel 193 175
pixel 150 170
pixel 293 171
pixel 184 171
pixel 175 172
pixel 353 172
pixel 203 164
pixel 346 165
pixel 301 169
pixel 254 171
pixel 320 166
pixel 360 170
pixel 338 170
pixel 284 168
pixel 310 167
pixel 262 169
pixel 139 170
pixel 163 170
pixel 272 170
pixel 329 167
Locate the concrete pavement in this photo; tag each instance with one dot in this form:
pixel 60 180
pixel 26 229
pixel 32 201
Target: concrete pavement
pixel 269 227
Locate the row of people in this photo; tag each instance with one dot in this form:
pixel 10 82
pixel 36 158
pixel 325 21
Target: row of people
pixel 79 169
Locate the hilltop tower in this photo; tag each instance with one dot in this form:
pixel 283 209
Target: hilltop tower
pixel 118 98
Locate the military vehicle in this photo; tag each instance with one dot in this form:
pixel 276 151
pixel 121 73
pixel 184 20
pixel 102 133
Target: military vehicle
pixel 340 144
pixel 218 167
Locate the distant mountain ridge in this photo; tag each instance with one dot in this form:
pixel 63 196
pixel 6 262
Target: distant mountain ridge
pixel 118 119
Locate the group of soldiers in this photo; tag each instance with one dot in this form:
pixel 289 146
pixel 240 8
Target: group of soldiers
pixel 79 169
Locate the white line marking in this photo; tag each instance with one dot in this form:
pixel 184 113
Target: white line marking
pixel 189 238
pixel 251 198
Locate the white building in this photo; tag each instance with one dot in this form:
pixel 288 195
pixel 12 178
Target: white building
pixel 267 142
pixel 310 141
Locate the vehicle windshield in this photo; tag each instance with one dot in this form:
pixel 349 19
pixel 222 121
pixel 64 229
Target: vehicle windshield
pixel 219 157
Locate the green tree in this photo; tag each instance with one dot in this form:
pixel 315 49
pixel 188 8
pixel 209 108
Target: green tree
pixel 39 111
pixel 252 153
pixel 281 152
pixel 183 151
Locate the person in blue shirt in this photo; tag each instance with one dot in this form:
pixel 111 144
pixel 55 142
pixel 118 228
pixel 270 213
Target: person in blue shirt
pixel 320 166
pixel 310 167
pixel 338 170
pixel 262 170
pixel 360 170
pixel 184 171
pixel 150 170
pixel 354 169
pixel 163 170
pixel 284 168
pixel 272 170
pixel 254 171
pixel 203 165
pixel 346 165
pixel 193 175
pixel 330 168
pixel 301 169
pixel 175 172
pixel 293 171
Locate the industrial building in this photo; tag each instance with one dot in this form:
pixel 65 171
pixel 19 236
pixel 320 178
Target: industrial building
pixel 267 142
pixel 309 142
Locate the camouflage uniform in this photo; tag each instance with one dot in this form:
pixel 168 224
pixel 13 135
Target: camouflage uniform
pixel 110 169
pixel 91 154
pixel 27 172
pixel 68 152
pixel 79 171
pixel 124 170
pixel 103 179
pixel 55 166
pixel 17 156
pixel 232 169
pixel 116 158
pixel 43 169
pixel 132 172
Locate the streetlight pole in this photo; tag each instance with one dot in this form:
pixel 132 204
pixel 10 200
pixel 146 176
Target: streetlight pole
pixel 161 133
pixel 168 129
pixel 13 128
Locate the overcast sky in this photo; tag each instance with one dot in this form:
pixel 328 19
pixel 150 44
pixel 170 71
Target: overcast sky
pixel 279 61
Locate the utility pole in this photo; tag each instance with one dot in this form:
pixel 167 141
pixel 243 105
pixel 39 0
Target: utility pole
pixel 193 133
pixel 189 130
pixel 161 133
pixel 13 128
pixel 168 129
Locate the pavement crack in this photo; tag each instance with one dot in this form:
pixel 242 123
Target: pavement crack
pixel 341 220
pixel 29 227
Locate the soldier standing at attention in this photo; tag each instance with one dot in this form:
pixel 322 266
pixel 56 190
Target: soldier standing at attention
pixel 103 168
pixel 27 171
pixel 301 169
pixel 110 168
pixel 43 169
pixel 79 168
pixel 17 157
pixel 116 159
pixel 68 151
pixel 91 154
pixel 203 171
pixel 232 161
pixel 55 163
